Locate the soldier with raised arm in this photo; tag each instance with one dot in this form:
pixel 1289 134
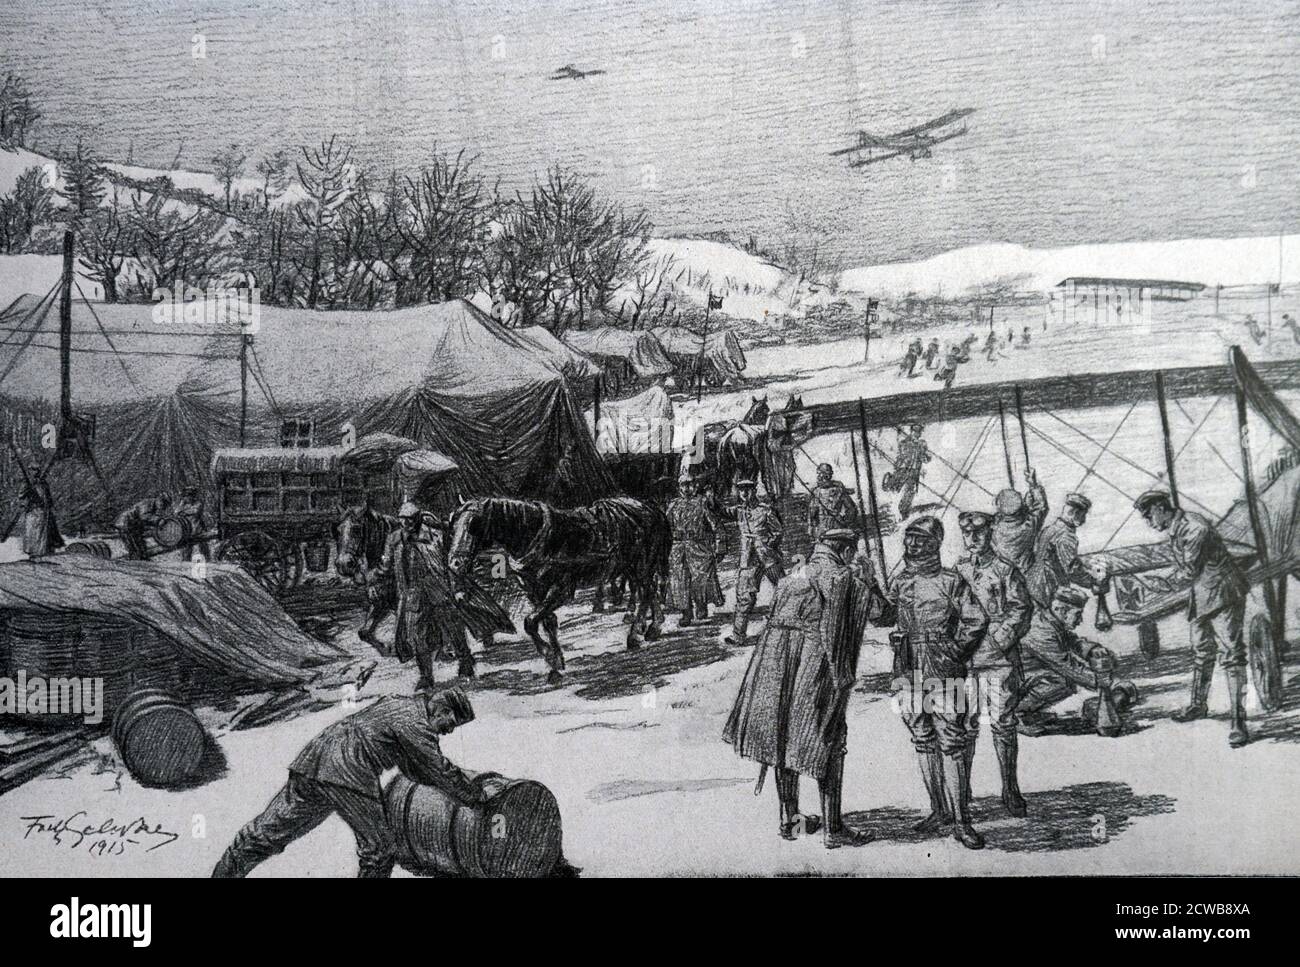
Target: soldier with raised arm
pixel 1017 522
pixel 760 554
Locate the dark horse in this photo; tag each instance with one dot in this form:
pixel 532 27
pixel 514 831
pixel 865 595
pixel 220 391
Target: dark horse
pixel 553 552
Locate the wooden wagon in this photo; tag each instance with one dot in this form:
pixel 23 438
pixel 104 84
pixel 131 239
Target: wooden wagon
pixel 277 507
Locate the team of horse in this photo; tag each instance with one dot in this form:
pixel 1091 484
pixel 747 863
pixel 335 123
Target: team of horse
pixel 551 552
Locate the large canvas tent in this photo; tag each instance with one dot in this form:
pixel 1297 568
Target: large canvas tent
pixel 722 362
pixel 627 357
pixel 166 395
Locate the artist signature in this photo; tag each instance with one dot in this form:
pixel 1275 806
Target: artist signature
pixel 109 838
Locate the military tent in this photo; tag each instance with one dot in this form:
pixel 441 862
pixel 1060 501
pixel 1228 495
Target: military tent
pixel 627 357
pixel 723 360
pixel 165 393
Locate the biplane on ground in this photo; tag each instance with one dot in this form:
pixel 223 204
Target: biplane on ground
pixel 1262 527
pixel 915 142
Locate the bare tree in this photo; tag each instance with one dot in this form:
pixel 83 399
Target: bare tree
pixel 228 165
pixel 83 181
pixel 105 241
pixel 444 224
pixel 326 176
pixel 274 172
pixel 647 283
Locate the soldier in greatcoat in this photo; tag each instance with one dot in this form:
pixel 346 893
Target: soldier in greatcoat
pixel 693 566
pixel 40 530
pixel 790 713
pixel 428 621
pixel 940 625
pixel 1056 554
pixel 761 531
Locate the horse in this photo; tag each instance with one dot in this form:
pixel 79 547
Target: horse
pixel 743 451
pixel 554 551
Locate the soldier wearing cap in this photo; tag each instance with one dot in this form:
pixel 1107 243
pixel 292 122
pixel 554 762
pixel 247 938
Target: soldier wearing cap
pixel 940 625
pixel 1018 521
pixel 831 506
pixel 339 772
pixel 995 673
pixel 790 712
pixel 428 622
pixel 1055 659
pixel 1056 554
pixel 1216 606
pixel 692 563
pixel 190 506
pixel 760 554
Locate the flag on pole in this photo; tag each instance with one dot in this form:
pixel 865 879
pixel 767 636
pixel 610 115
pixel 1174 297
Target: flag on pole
pixel 715 301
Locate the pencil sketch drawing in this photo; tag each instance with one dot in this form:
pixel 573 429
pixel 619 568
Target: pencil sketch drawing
pixel 587 439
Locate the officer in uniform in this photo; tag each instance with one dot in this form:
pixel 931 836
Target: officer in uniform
pixel 790 712
pixel 760 554
pixel 1056 554
pixel 995 672
pixel 831 507
pixel 1017 521
pixel 1216 606
pixel 940 625
pixel 693 568
pixel 339 772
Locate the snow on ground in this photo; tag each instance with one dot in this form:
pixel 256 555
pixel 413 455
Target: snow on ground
pixel 1230 261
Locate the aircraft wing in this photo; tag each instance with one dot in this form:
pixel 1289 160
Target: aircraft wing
pixel 950 118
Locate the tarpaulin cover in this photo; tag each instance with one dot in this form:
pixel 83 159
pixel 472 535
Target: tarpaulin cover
pixel 577 368
pixel 376 452
pixel 638 424
pixel 222 619
pixel 446 376
pixel 641 350
pixel 724 358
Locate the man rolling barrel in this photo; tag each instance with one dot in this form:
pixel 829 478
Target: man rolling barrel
pixel 134 523
pixel 339 772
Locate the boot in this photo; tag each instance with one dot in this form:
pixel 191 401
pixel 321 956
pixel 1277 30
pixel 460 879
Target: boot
pixel 787 795
pixel 955 781
pixel 739 627
pixel 235 864
pixel 831 786
pixel 1007 749
pixel 1239 735
pixel 1197 708
pixel 969 756
pixel 932 776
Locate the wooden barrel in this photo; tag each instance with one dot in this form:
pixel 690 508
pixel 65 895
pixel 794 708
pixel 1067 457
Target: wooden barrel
pixel 42 645
pixel 99 549
pixel 317 556
pixel 160 740
pixel 516 833
pixel 173 531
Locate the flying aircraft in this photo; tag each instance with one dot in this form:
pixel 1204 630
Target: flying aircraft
pixel 570 73
pixel 915 142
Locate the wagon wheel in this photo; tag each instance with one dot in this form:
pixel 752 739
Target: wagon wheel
pixel 1265 668
pixel 269 562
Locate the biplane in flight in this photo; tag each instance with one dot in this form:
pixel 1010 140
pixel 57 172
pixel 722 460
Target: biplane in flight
pixel 915 142
pixel 570 73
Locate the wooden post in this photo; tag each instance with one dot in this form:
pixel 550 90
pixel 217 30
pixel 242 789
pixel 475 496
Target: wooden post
pixel 65 336
pixel 1252 506
pixel 1164 432
pixel 871 492
pixel 244 342
pixel 704 339
pixel 595 410
pixel 1006 445
pixel 1020 418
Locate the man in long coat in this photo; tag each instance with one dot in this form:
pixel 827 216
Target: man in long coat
pixel 790 712
pixel 40 530
pixel 693 567
pixel 1056 554
pixel 428 621
pixel 831 506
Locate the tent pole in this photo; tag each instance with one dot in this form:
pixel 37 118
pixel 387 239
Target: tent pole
pixel 1006 445
pixel 65 345
pixel 704 339
pixel 595 410
pixel 1164 432
pixel 1020 417
pixel 243 388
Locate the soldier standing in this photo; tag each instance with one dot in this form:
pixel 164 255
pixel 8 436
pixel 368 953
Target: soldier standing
pixel 760 554
pixel 1216 606
pixel 1056 554
pixel 913 455
pixel 831 507
pixel 40 530
pixel 939 627
pixel 932 354
pixel 428 621
pixel 995 674
pixel 693 567
pixel 790 712
pixel 339 772
pixel 1018 521
pixel 190 506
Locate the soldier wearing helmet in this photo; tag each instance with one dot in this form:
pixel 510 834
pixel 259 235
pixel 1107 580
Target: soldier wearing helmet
pixel 831 507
